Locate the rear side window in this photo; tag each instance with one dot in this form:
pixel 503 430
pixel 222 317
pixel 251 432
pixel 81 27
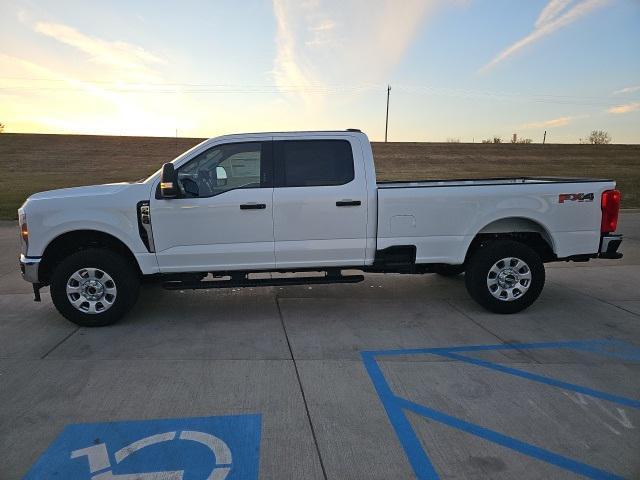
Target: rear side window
pixel 306 163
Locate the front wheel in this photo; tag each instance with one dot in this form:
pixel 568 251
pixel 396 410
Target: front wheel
pixel 94 287
pixel 505 276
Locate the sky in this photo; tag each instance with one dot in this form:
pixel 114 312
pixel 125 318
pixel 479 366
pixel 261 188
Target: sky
pixel 458 69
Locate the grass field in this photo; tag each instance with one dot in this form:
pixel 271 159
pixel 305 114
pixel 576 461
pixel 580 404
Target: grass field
pixel 32 163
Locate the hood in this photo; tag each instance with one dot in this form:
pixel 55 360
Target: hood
pixel 88 191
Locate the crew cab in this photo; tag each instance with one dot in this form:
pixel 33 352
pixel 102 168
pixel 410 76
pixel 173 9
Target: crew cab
pixel 236 205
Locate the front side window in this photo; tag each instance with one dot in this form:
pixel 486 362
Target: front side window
pixel 222 168
pixel 306 163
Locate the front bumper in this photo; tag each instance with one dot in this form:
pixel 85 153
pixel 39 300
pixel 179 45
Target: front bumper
pixel 609 246
pixel 29 268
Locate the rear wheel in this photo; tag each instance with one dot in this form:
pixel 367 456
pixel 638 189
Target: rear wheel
pixel 505 276
pixel 94 287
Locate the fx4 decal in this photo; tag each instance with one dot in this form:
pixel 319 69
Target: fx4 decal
pixel 575 197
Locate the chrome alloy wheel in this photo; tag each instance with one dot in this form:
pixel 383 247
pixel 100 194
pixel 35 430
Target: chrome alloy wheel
pixel 509 279
pixel 91 290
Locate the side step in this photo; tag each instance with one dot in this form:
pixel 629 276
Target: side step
pixel 262 282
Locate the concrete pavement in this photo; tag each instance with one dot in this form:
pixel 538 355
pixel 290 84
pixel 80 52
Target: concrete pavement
pixel 293 355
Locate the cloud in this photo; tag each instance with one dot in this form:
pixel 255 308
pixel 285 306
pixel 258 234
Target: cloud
pixel 16 64
pixel 128 91
pixel 553 17
pixel 554 122
pixel 626 108
pixel 113 54
pixel 321 33
pixel 39 97
pixel 635 88
pixel 288 68
pixel 551 11
pixel 324 25
pixel 23 15
pixel 322 45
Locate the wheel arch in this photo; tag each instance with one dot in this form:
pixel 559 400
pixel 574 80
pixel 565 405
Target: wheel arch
pixel 72 241
pixel 522 229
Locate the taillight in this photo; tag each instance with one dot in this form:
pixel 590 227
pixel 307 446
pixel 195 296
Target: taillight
pixel 610 207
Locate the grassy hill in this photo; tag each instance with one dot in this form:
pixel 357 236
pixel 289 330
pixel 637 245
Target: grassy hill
pixel 30 163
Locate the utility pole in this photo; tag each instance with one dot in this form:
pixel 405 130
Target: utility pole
pixel 544 139
pixel 386 124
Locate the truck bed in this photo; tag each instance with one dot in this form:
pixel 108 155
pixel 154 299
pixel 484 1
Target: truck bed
pixel 441 224
pixel 485 181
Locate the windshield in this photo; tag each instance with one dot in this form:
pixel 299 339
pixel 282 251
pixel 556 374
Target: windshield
pixel 179 157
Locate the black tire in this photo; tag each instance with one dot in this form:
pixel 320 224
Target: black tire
pixel 484 259
pixel 449 270
pixel 123 274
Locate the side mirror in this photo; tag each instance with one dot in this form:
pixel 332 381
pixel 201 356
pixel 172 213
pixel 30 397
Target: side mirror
pixel 169 181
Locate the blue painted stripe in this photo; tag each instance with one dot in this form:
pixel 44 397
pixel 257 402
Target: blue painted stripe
pixel 613 348
pixel 416 454
pixel 628 402
pixel 422 466
pixel 509 442
pixel 479 348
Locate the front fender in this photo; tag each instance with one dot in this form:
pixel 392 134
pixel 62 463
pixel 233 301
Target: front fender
pixel 46 228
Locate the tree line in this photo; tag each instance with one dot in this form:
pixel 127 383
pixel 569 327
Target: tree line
pixel 596 137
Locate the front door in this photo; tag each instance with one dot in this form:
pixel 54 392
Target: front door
pixel 223 217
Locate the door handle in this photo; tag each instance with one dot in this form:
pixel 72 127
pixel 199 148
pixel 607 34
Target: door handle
pixel 253 206
pixel 348 203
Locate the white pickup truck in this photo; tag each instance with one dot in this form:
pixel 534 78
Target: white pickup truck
pixel 237 205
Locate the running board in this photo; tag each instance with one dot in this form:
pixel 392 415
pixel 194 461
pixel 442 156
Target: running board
pixel 262 282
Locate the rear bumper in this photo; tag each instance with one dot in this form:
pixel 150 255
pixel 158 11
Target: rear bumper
pixel 609 246
pixel 29 268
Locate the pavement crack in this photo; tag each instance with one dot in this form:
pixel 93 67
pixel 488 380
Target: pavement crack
pixel 58 344
pixel 602 300
pixel 598 299
pixel 502 340
pixel 304 397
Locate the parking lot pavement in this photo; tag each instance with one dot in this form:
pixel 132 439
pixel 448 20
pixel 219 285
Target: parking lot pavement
pixel 396 377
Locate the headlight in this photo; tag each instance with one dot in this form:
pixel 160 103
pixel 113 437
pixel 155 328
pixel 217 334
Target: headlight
pixel 24 232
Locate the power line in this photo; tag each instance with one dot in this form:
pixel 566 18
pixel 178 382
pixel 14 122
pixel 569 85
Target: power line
pixel 133 85
pixel 310 89
pixel 515 96
pixel 426 89
pixel 110 82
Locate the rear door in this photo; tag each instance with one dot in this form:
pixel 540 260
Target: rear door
pixel 319 202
